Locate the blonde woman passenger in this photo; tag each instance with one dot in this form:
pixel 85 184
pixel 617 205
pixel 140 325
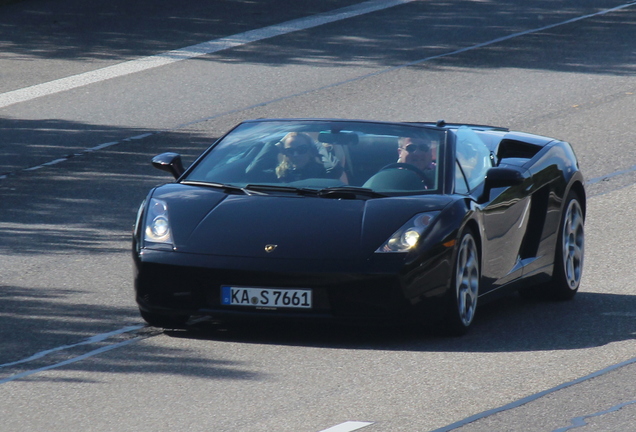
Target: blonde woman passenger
pixel 300 159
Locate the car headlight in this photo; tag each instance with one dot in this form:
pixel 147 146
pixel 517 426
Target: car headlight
pixel 407 237
pixel 158 224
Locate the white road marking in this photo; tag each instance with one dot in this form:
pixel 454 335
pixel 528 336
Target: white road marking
pixel 609 176
pixel 91 340
pixel 362 8
pixel 527 32
pixel 80 153
pixel 71 360
pixel 348 426
pixel 581 421
pixel 209 47
pixel 533 397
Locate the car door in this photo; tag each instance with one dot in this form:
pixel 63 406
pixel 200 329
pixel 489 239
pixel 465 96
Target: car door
pixel 504 213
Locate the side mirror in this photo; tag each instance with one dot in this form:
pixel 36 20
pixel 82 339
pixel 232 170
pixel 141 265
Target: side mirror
pixel 501 177
pixel 170 162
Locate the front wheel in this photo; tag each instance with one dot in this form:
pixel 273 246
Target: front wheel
pixel 465 286
pixel 568 259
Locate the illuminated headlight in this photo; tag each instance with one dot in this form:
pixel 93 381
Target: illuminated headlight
pixel 157 223
pixel 407 237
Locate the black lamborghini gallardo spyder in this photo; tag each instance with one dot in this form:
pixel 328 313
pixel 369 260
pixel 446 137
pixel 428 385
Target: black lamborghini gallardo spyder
pixel 359 220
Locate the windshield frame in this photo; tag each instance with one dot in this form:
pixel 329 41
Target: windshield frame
pixel 337 133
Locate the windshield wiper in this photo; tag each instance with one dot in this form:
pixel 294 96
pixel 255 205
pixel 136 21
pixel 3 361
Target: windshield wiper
pixel 227 188
pixel 271 188
pixel 348 192
pixel 277 188
pixel 338 192
pixel 252 189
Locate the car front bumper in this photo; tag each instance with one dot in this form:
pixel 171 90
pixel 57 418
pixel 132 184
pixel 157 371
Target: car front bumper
pixel 382 288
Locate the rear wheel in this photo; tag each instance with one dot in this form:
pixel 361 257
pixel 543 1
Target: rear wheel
pixel 568 256
pixel 164 321
pixel 465 286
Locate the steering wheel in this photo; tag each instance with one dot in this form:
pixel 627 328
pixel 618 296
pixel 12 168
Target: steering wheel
pixel 402 165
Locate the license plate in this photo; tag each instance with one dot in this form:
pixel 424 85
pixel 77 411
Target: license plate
pixel 266 297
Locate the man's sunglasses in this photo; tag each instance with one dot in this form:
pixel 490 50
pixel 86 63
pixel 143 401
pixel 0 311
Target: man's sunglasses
pixel 300 150
pixel 413 147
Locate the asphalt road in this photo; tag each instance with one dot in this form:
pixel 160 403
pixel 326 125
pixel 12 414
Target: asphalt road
pixel 88 96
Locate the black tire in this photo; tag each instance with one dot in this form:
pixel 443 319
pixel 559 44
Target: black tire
pixel 164 321
pixel 568 256
pixel 462 299
pixel 570 251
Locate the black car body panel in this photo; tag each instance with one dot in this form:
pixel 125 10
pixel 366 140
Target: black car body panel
pixel 230 226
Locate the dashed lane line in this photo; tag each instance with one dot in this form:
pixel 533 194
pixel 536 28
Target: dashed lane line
pixel 533 397
pixel 348 426
pixel 63 84
pixel 193 51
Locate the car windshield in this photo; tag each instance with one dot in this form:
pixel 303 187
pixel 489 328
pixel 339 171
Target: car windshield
pixel 324 155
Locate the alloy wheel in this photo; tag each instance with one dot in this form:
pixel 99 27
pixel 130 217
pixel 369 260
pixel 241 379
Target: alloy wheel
pixel 467 279
pixel 573 242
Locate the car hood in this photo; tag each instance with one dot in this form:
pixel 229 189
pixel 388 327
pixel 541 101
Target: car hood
pixel 207 221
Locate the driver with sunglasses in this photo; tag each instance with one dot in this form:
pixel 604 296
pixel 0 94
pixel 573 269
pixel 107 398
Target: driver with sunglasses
pixel 415 151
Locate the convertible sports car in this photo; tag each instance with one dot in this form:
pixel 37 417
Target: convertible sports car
pixel 359 220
